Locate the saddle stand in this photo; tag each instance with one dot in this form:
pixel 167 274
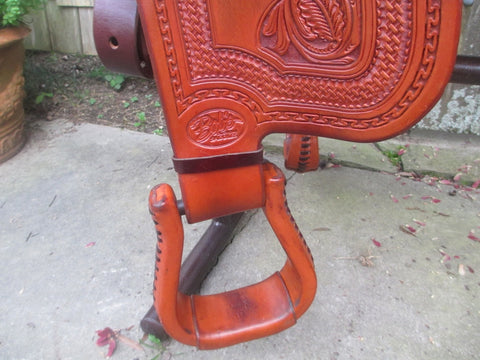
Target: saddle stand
pixel 229 73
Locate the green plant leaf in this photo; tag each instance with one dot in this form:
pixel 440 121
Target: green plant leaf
pixel 13 11
pixel 141 116
pixel 40 97
pixel 153 339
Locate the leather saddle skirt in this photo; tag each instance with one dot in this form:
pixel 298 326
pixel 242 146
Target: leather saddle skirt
pixel 230 72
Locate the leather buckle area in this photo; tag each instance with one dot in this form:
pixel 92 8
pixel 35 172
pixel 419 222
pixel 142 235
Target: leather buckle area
pixel 221 185
pixel 251 312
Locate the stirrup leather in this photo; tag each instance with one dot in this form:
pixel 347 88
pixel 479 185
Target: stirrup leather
pixel 240 315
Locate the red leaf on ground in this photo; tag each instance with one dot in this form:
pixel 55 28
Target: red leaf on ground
pixel 407 196
pixel 394 199
pixel 445 257
pixel 111 347
pixel 429 197
pixel 90 244
pixel 421 223
pixel 107 337
pixel 476 184
pixel 471 236
pixel 376 243
pixel 470 269
pixel 104 335
pixel 408 229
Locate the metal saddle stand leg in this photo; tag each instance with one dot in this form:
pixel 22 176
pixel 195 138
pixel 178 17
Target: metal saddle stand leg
pixel 230 74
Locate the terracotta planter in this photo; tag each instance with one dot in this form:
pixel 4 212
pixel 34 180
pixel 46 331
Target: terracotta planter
pixel 12 54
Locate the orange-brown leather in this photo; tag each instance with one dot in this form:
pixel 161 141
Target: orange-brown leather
pixel 301 152
pixel 229 72
pixel 240 315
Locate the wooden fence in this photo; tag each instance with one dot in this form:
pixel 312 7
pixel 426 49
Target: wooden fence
pixel 63 26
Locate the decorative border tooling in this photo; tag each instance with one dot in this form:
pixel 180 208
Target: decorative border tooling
pixel 430 48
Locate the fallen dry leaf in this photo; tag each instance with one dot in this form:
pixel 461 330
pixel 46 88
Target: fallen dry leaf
pixel 132 343
pixel 376 243
pixel 441 214
pixel 476 184
pixel 433 199
pixel 321 229
pixel 445 256
pixel 408 229
pixel 107 337
pixel 472 236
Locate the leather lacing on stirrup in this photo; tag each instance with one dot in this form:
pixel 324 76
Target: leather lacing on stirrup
pixel 240 315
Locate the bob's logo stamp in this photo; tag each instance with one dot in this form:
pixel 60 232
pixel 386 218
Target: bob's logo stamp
pixel 216 128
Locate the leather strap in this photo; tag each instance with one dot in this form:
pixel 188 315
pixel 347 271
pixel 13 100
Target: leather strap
pixel 218 162
pixel 119 38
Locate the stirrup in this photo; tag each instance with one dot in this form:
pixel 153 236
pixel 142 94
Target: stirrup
pixel 228 318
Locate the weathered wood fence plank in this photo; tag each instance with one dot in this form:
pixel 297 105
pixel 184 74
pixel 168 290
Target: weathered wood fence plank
pixel 86 28
pixel 63 26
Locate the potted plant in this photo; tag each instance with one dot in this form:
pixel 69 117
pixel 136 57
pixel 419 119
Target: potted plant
pixel 12 53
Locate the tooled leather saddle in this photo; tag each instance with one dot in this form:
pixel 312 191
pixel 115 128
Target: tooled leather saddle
pixel 229 72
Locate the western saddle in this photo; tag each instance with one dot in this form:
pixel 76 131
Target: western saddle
pixel 230 72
